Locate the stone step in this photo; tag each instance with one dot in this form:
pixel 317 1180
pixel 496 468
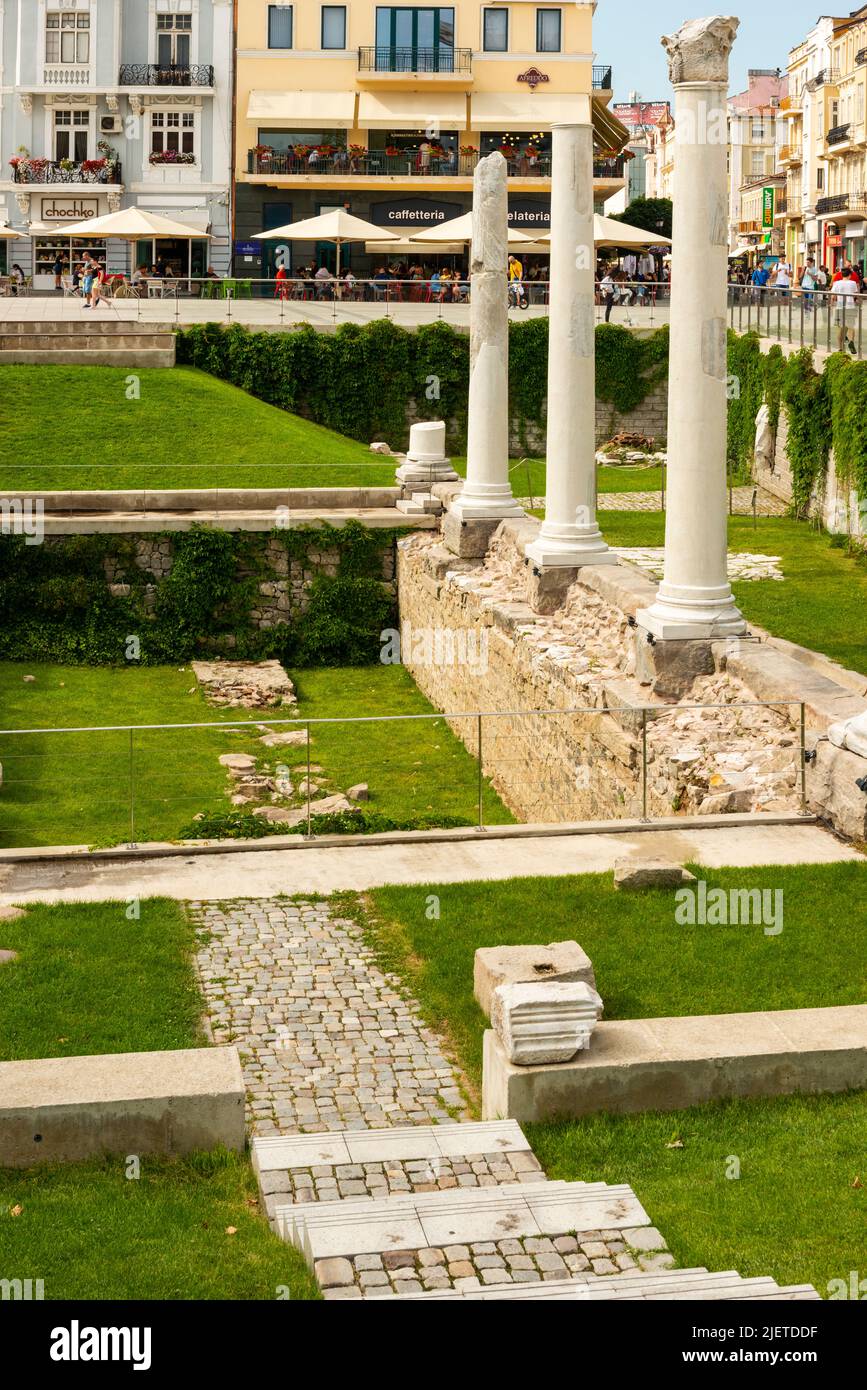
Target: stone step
pixel 676 1284
pixel 94 340
pixel 75 357
pixel 381 1145
pixel 416 1221
pixel 108 323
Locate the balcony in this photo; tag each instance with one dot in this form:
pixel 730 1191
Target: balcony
pixel 55 171
pixel 860 57
pixel 792 105
pixel 379 164
pixel 603 78
pixel 157 75
pixel 781 205
pixel 791 154
pixel 69 76
pixel 389 62
pixel 851 204
pixel 828 77
pixel 839 135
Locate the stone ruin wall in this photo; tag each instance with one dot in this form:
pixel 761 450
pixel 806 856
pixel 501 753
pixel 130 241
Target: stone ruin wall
pixel 586 766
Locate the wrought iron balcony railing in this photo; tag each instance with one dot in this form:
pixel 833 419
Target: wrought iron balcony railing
pixel 855 203
pixel 828 77
pixel 838 134
pixel 375 162
pixel 387 59
pixel 166 75
pixel 603 77
pixel 65 171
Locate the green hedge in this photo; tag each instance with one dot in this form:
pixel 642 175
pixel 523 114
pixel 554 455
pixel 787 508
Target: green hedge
pixel 55 604
pixel 360 380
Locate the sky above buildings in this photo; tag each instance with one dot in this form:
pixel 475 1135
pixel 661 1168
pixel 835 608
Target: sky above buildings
pixel 626 34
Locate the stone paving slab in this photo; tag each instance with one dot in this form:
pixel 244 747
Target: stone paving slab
pixel 376 1146
pixel 681 1284
pixel 327 1040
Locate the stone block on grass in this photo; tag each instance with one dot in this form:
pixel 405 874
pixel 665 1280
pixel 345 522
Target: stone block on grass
pixel 561 961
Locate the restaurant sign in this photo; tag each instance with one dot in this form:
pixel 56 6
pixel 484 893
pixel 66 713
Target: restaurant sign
pixel 69 209
pixel 529 215
pixel 533 78
pixel 413 212
pixel 768 207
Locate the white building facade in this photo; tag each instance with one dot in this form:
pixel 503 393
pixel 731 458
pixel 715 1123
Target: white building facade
pixel 108 104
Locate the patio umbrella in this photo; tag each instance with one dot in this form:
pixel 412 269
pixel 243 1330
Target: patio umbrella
pixel 136 224
pixel 461 229
pixel 607 232
pixel 337 226
pixel 7 234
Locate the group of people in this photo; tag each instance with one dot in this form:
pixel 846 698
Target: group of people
pixel 16 279
pixel 633 281
pixel 445 286
pixel 842 286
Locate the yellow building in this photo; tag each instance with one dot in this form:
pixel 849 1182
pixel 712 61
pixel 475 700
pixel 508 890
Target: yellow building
pixel 843 209
pixel 385 109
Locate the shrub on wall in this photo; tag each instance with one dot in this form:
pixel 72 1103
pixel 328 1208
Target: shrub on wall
pixel 362 380
pixel 55 604
pixel 807 400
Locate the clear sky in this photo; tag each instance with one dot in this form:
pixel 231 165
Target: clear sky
pixel 626 34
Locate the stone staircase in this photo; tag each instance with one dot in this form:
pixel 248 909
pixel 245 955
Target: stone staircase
pixel 465 1211
pixel 95 340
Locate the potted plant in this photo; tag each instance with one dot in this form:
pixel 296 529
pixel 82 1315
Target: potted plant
pixel 469 149
pixel 302 151
pixel 392 151
pixel 507 151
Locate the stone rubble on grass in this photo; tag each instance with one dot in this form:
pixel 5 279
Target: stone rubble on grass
pixel 649 873
pixel 360 792
pixel 539 1024
pixel 651 559
pixel 244 685
pixel 11 914
pixel 6 957
pixel 291 739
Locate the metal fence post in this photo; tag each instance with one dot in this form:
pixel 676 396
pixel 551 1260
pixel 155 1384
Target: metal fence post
pixel 803 759
pixel 308 781
pixel 644 764
pixel 131 794
pixel 481 824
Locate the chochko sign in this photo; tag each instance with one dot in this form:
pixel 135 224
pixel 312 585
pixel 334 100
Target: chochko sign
pixel 69 209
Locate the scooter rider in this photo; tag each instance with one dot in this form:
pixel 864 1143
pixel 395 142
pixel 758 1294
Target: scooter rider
pixel 517 293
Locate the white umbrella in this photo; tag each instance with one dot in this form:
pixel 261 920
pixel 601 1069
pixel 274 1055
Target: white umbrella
pixel 134 224
pixel 337 226
pixel 7 234
pixel 461 229
pixel 608 232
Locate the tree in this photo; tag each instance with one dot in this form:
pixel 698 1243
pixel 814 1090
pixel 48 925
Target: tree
pixel 650 214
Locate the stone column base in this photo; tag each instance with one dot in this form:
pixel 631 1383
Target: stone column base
pixel 415 475
pixel 547 588
pixel 670 668
pixel 468 539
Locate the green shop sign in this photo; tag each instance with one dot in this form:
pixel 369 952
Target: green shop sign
pixel 768 207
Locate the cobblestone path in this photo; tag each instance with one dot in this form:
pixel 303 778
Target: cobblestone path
pixel 327 1040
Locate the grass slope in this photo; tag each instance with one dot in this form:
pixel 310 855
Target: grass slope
pixel 92 1233
pixel 187 430
pixel 90 980
pixel 646 965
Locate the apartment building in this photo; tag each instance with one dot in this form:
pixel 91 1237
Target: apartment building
pixel 755 130
pixel 385 110
pixel 107 104
pixel 809 114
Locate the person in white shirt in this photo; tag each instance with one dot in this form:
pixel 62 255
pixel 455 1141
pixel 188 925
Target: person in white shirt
pixel 809 280
pixel 783 277
pixel 610 294
pixel 845 298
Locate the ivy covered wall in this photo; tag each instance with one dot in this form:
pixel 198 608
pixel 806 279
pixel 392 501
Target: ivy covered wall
pixel 319 596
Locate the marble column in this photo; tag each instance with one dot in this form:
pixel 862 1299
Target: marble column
pixel 570 535
pixel 487 493
pixel 695 599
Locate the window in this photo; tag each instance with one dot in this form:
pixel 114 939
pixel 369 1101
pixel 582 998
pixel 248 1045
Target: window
pixel 174 32
pixel 71 131
pixel 495 31
pixel 279 26
pixel 333 26
pixel 820 179
pixel 173 132
pixel 67 37
pixel 547 31
pixel 414 39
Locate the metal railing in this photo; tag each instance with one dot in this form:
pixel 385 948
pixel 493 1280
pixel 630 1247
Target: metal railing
pixel 838 134
pixel 522 164
pixel 818 319
pixel 140 773
pixel 387 58
pixel 166 75
pixel 603 77
pixel 66 171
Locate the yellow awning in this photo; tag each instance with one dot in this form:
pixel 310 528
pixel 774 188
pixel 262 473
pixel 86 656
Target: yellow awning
pixel 303 108
pixel 530 111
pixel 608 132
pixel 412 110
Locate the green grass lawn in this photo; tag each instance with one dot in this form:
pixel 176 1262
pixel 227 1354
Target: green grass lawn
pixel 793 1213
pixel 90 1232
pixel 820 605
pixel 89 980
pixel 187 430
pixel 646 965
pixel 69 788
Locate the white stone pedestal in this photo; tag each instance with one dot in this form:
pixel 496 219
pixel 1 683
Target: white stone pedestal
pixel 695 598
pixel 426 462
pixel 487 493
pixel 570 535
